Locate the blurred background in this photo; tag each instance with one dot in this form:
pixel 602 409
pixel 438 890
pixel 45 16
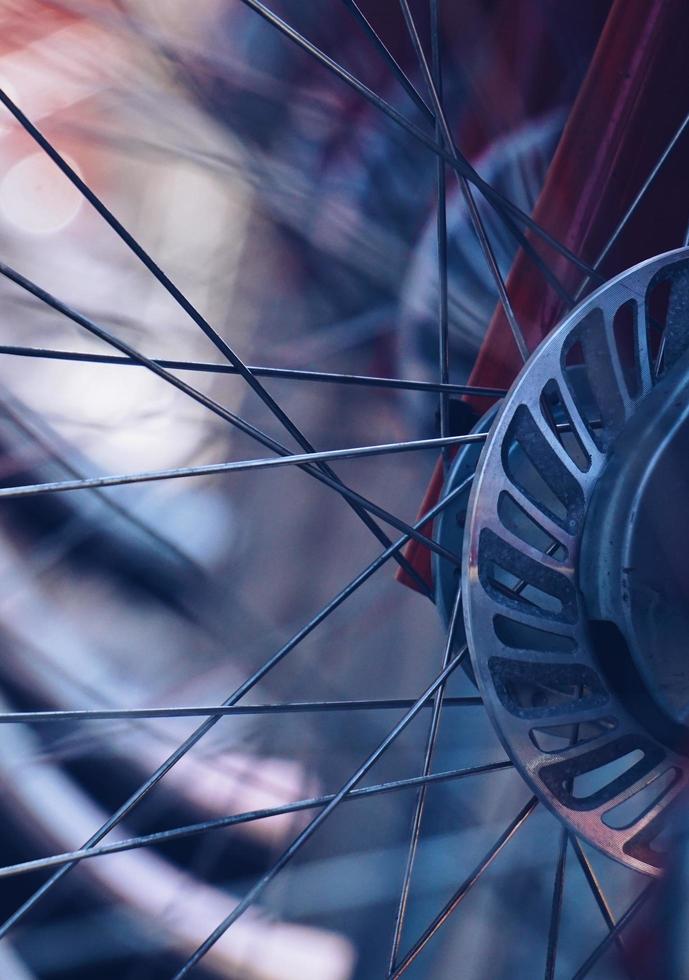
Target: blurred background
pixel 301 222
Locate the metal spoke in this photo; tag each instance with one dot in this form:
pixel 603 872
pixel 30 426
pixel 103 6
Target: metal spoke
pixel 219 342
pixel 281 374
pixel 474 215
pixel 614 933
pixel 428 112
pixel 257 890
pixel 250 816
pixel 415 834
pixel 559 881
pixel 466 887
pixel 289 707
pixel 441 232
pixel 596 890
pixel 460 164
pixel 236 696
pixel 364 513
pixel 226 415
pixel 416 824
pixel 238 466
pixel 414 94
pixel 556 908
pixel 20 416
pixel 637 200
pixel 383 49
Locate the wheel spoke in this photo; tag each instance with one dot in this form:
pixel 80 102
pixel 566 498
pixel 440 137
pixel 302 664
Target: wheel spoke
pixel 236 696
pixel 239 466
pixel 474 215
pixel 382 48
pixel 394 971
pixel 614 933
pixel 246 427
pixel 152 266
pixel 637 200
pixel 281 374
pixel 20 415
pixel 255 893
pixel 428 112
pixel 250 816
pixel 365 514
pixel 289 707
pixel 465 887
pixel 556 908
pixel 441 234
pixel 461 165
pixel 596 890
pixel 431 738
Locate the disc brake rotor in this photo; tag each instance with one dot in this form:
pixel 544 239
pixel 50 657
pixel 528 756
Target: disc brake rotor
pixel 576 576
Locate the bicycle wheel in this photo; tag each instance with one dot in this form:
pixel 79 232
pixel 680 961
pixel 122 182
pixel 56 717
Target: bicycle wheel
pixel 549 514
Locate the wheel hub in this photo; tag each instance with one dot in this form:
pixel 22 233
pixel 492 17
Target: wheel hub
pixel 576 572
pixel 634 566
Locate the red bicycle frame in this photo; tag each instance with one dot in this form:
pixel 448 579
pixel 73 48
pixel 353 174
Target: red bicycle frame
pixel 615 134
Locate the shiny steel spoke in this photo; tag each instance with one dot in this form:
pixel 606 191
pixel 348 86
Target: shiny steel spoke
pixel 431 738
pixel 667 152
pixel 441 234
pixel 134 246
pixel 465 887
pixel 257 890
pixel 364 513
pixel 414 94
pixel 596 890
pixel 281 374
pixel 383 49
pixel 239 466
pixel 614 933
pixel 236 696
pixel 460 164
pixel 418 814
pixel 21 417
pixel 246 427
pixel 474 215
pixel 556 908
pixel 289 707
pixel 250 816
pixel 559 880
